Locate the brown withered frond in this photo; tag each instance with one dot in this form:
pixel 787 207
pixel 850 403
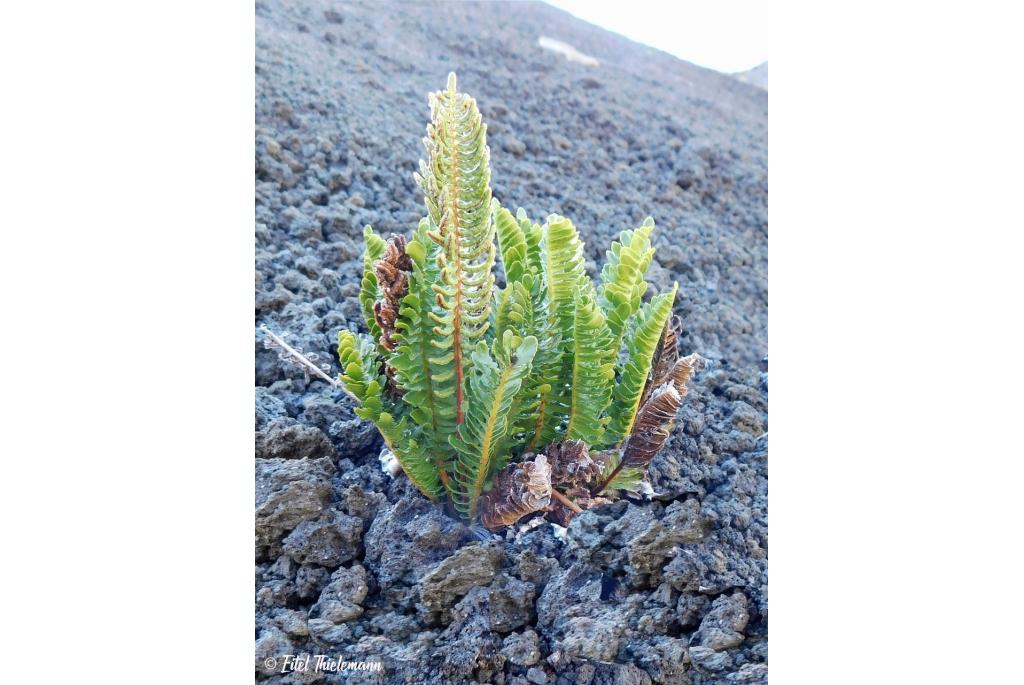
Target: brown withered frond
pixel 653 426
pixel 683 370
pixel 571 463
pixel 519 489
pixel 654 420
pixel 665 357
pixel 393 281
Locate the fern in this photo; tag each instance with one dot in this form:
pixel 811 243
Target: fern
pixel 464 380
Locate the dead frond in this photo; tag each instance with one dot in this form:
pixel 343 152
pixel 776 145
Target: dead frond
pixel 393 280
pixel 519 489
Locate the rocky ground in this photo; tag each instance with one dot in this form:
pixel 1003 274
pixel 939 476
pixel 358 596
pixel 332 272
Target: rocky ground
pixel 353 563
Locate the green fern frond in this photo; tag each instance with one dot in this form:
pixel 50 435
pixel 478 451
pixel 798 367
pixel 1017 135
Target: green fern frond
pixel 457 192
pixel 359 374
pixel 564 274
pixel 426 378
pixel 629 480
pixel 533 233
pixel 511 242
pixel 491 388
pixel 622 277
pixel 593 370
pixel 514 312
pixel 644 332
pixel 528 315
pixel 368 293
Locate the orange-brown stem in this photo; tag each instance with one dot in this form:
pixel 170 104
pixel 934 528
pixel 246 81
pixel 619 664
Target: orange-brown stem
pixel 566 501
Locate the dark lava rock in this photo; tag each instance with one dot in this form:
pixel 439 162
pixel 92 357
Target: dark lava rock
pixel 522 649
pixel 329 541
pixel 504 605
pixel 408 539
pixel 341 601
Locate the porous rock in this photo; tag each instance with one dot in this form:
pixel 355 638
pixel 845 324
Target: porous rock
pixel 330 540
pixel 288 492
pixel 723 626
pixel 472 566
pixel 281 440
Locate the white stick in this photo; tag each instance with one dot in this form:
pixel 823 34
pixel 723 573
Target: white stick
pixel 305 362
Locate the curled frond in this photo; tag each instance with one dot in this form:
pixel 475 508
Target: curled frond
pixel 665 357
pixel 519 490
pixel 652 427
pixel 571 463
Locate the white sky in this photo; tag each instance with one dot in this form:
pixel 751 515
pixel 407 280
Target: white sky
pixel 719 34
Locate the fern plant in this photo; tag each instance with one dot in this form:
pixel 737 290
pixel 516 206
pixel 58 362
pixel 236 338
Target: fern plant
pixel 549 393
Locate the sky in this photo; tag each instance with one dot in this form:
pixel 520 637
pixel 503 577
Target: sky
pixel 724 35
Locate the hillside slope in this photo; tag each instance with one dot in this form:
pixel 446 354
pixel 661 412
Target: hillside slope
pixel 758 76
pixel 351 562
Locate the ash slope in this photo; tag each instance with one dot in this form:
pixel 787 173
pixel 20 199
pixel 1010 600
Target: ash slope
pixel 350 562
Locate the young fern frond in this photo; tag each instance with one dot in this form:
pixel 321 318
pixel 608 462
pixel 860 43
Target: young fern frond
pixel 512 243
pixel 492 386
pixel 622 278
pixel 426 380
pixel 533 233
pixel 457 192
pixel 564 274
pixel 528 314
